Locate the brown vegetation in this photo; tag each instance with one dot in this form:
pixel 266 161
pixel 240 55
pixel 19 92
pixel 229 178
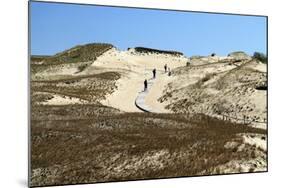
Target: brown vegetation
pixel 93 146
pixel 150 50
pixel 91 88
pixel 84 53
pixel 216 85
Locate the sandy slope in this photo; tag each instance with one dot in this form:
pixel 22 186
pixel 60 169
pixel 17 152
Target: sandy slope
pixel 221 88
pixel 135 68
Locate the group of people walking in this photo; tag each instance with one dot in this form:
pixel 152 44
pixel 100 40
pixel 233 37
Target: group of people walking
pixel 154 75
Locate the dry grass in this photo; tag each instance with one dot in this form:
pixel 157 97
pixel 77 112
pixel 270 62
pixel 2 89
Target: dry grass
pixel 80 144
pixel 84 53
pixel 213 93
pixel 201 82
pixel 91 88
pixel 38 58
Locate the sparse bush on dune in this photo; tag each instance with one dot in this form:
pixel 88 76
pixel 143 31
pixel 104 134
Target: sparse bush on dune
pixel 239 55
pixel 208 77
pixel 260 56
pixel 261 86
pixel 150 50
pixel 82 67
pixel 196 57
pixel 200 82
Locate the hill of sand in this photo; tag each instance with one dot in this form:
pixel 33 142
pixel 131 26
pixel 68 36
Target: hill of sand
pixel 230 86
pixel 135 68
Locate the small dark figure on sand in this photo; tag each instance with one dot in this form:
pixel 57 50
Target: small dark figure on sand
pixel 145 85
pixel 154 73
pixel 165 67
pixel 169 72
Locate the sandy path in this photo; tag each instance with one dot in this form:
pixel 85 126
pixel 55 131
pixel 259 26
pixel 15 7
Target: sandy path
pixel 130 96
pixel 124 97
pixel 140 100
pixel 156 92
pixel 148 100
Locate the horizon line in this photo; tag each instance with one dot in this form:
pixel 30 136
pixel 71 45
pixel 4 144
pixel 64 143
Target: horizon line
pixel 119 49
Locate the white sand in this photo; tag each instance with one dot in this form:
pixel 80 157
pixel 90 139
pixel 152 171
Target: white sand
pixel 63 100
pixel 124 97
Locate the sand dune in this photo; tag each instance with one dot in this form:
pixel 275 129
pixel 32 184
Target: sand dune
pixel 135 69
pixel 208 85
pixel 224 78
pixel 87 107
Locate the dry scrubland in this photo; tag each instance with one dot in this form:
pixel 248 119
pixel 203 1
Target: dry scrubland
pixel 231 89
pixel 86 128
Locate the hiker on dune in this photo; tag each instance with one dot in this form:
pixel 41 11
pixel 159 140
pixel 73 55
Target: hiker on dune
pixel 169 72
pixel 145 85
pixel 165 67
pixel 154 73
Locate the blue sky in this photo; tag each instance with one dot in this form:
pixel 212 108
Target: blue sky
pixel 56 27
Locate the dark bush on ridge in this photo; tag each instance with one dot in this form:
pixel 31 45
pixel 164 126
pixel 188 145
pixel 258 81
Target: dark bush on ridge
pixel 150 50
pixel 260 56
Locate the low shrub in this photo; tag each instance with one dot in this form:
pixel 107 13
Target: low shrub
pixel 260 56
